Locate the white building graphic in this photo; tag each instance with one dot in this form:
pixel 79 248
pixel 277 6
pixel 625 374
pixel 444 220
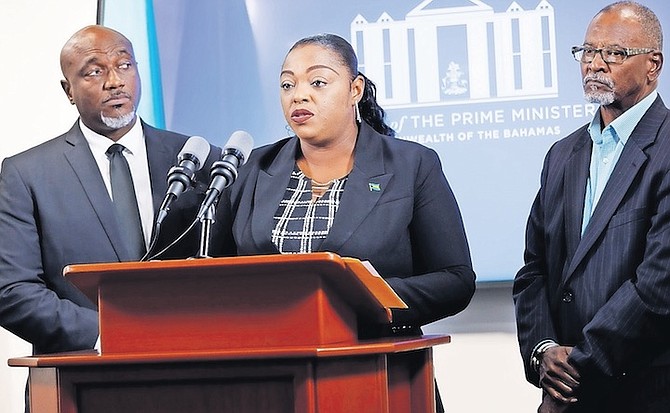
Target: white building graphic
pixel 459 51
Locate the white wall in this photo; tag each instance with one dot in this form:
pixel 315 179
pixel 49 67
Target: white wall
pixel 33 108
pixel 480 371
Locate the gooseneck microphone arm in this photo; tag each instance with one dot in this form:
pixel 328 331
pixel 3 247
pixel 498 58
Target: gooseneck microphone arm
pixel 223 173
pixel 206 232
pixel 180 178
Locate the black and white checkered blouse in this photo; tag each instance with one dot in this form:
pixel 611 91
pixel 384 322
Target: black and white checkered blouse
pixel 301 222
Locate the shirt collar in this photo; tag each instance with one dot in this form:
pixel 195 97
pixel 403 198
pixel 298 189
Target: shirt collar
pixel 623 126
pixel 99 144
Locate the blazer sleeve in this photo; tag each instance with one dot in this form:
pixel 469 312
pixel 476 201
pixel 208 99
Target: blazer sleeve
pixel 29 307
pixel 443 280
pixel 533 316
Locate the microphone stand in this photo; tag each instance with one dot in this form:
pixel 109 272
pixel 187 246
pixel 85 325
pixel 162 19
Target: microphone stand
pixel 205 232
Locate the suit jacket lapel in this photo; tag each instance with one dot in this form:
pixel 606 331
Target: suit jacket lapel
pixel 83 164
pixel 161 158
pixel 576 175
pixel 627 168
pixel 365 185
pixel 269 191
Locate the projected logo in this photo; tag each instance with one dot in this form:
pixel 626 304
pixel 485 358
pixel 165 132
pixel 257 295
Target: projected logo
pixel 449 52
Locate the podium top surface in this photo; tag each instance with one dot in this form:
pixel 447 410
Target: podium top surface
pixel 92 357
pixel 357 281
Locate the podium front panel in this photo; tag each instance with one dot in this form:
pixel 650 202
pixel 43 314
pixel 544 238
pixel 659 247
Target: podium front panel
pixel 246 310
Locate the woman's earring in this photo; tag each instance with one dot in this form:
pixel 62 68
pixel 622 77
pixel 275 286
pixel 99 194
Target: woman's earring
pixel 289 130
pixel 358 113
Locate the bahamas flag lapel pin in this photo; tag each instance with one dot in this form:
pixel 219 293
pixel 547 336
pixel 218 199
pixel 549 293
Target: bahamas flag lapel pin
pixel 374 187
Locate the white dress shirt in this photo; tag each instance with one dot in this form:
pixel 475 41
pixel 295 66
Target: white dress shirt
pixel 136 154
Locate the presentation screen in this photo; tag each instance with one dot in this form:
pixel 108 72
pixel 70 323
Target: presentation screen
pixel 489 85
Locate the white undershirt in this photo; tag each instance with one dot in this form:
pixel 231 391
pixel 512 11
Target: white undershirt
pixel 136 155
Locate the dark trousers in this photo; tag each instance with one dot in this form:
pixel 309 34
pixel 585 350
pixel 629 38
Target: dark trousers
pixel 27 409
pixel 439 408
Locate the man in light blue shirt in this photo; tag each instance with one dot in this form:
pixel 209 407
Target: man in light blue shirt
pixel 608 143
pixel 593 297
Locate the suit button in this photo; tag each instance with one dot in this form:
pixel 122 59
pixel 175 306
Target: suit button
pixel 568 296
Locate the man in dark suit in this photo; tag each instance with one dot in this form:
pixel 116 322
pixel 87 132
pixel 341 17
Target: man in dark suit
pixel 593 298
pixel 56 203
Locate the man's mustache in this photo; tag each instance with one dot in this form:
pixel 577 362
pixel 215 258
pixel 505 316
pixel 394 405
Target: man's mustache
pixel 596 77
pixel 116 95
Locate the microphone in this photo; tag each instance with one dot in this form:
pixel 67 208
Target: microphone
pixel 190 160
pixel 224 171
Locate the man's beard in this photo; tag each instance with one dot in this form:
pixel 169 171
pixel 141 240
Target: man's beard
pixel 119 122
pixel 596 96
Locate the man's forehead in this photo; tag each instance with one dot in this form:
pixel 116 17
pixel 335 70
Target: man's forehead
pixel 613 30
pixel 84 54
pixel 101 53
pixel 98 40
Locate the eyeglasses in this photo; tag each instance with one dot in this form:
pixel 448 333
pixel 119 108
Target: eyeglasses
pixel 614 55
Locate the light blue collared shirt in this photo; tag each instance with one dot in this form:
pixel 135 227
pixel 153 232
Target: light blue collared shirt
pixel 607 147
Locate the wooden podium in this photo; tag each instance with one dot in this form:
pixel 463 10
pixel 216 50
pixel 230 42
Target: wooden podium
pixel 274 333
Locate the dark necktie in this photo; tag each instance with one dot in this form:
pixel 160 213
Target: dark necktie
pixel 125 202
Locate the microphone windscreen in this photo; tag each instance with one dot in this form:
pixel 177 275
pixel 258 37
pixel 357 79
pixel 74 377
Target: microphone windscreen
pixel 241 141
pixel 195 146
